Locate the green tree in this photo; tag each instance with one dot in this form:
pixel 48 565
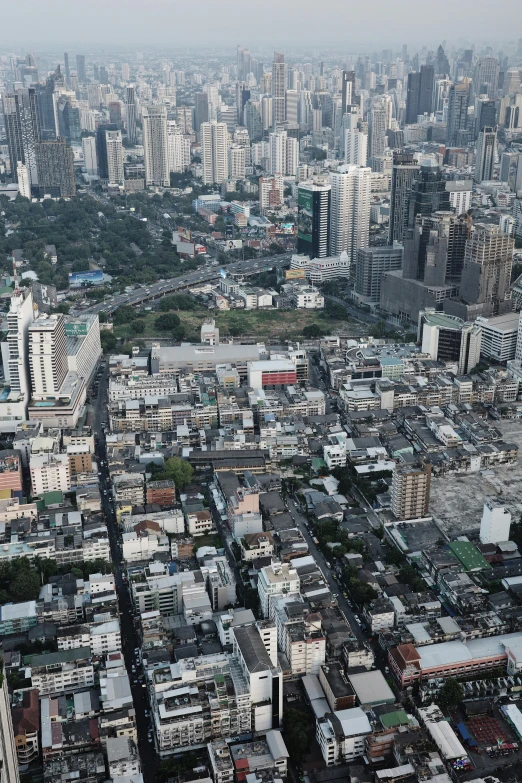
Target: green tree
pixel 108 341
pixel 124 315
pixel 167 321
pixel 313 331
pixel 137 327
pixel 297 729
pixel 26 585
pixel 451 693
pixel 179 470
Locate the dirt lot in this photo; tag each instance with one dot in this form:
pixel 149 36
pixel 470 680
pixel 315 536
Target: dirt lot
pixel 456 502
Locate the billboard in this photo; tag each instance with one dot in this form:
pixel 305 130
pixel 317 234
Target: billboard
pixel 79 279
pixel 184 234
pixel 286 228
pixel 305 210
pixel 223 273
pixel 75 329
pixel 233 244
pixel 295 274
pixel 229 231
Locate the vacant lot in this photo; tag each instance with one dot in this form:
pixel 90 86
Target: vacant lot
pixel 457 501
pixel 262 324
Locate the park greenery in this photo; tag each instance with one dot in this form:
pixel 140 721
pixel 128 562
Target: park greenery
pixel 21 578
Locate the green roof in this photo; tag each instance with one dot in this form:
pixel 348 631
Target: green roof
pixel 395 718
pixel 468 555
pixel 49 499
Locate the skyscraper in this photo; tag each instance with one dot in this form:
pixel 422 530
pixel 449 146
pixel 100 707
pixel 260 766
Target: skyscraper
pixel 348 90
pixel 420 93
pixel 179 148
pixel 428 191
pixel 114 157
pixel 47 354
pixel 487 73
pixel 22 125
pixel 279 88
pixel 349 210
pixel 131 114
pixel 487 268
pixel 404 170
pixel 90 159
pixel 46 101
pixel 244 59
pixel 55 163
pixel 458 102
pixel 69 123
pixel 214 146
pixel 377 128
pixel 101 149
pixel 313 219
pixel 66 65
pixel 155 144
pixel 253 120
pixel 200 110
pixel 486 112
pixel 485 157
pixel 80 68
pixel 15 356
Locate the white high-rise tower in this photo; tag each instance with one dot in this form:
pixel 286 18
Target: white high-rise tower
pixel 155 144
pixel 214 146
pixel 350 210
pixel 115 157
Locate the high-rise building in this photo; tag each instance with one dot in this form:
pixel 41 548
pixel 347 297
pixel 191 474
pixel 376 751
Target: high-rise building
pixel 487 73
pixel 485 157
pixel 410 491
pixel 115 113
pixel 511 170
pixel 66 65
pixel 80 68
pixel 495 523
pixel 22 127
pixel 428 191
pixel 47 354
pixel 460 192
pixel 69 122
pixel 179 148
pixel 125 72
pixel 244 63
pixel 271 193
pixel 23 179
pixel 214 147
pixel 253 120
pixel 447 338
pixel 349 210
pixel 404 170
pixel 378 125
pixel 46 100
pixel 370 265
pixel 200 110
pixel 114 146
pixel 101 149
pixel 487 268
pixel 130 105
pixel 55 164
pixel 279 88
pixel 313 219
pixel 242 96
pixel 15 354
pixel 486 114
pixel 155 143
pixel 90 159
pixel 236 161
pixel 347 90
pixel 419 99
pixel 458 102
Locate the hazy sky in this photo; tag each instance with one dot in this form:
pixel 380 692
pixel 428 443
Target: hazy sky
pixel 356 24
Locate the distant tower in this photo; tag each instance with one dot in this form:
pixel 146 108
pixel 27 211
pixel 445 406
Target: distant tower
pixel 404 170
pixel 214 145
pixel 155 143
pixel 485 157
pixel 131 114
pixel 458 102
pixel 80 68
pixel 66 64
pixel 279 88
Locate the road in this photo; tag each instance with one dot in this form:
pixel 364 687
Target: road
pixel 176 284
pixel 129 635
pixel 328 573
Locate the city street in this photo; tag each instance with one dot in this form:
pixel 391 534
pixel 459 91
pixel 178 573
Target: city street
pixel 129 636
pixel 181 283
